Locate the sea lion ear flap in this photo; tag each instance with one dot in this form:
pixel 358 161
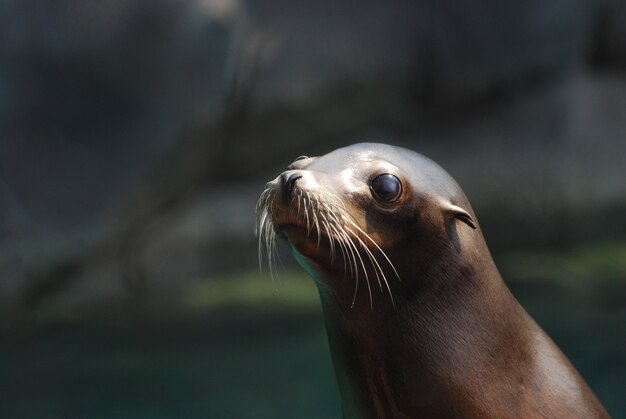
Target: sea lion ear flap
pixel 301 162
pixel 462 215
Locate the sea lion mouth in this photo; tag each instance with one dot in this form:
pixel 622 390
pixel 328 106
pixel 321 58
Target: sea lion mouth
pixel 306 221
pixel 320 227
pixel 289 230
pixel 293 232
pixel 316 245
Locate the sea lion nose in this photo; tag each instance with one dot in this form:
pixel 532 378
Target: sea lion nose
pixel 288 179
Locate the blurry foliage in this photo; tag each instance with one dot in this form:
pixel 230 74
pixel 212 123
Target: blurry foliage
pixel 291 290
pixel 590 270
pixel 580 268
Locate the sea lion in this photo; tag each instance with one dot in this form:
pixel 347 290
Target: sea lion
pixel 419 320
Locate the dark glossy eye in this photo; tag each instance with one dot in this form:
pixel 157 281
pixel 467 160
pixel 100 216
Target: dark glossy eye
pixel 386 188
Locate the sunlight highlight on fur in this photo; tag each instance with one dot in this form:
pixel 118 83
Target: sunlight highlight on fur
pixel 326 216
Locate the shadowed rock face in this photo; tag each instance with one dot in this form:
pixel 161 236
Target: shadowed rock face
pixel 109 86
pixel 93 94
pixel 609 42
pixel 457 50
pixel 98 90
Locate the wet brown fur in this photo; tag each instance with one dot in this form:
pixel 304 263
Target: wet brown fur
pixel 455 343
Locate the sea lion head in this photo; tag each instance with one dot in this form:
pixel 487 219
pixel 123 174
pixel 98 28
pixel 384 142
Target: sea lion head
pixel 368 213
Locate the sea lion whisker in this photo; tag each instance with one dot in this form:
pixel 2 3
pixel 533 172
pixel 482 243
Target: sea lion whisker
pixel 378 247
pixel 271 245
pixel 259 231
pixel 368 253
pixel 339 226
pixel 367 280
pixel 261 201
pixel 269 249
pixel 376 265
pixel 331 241
pixel 317 224
pixel 341 243
pixel 336 199
pixel 326 213
pixel 372 258
pixel 268 195
pixel 299 199
pixel 331 218
pixel 306 212
pixel 356 276
pixel 259 210
pixel 303 213
pixel 266 239
pixel 352 262
pixel 342 247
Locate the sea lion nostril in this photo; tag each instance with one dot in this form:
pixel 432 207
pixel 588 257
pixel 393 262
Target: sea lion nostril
pixel 288 179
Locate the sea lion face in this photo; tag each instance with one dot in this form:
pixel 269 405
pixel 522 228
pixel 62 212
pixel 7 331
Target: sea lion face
pixel 359 211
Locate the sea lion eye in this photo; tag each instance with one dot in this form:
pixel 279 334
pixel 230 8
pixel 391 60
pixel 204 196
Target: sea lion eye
pixel 386 188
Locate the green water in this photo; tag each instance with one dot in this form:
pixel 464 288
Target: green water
pixel 257 365
pixel 238 348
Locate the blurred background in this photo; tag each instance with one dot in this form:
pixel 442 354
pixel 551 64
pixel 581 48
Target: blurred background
pixel 136 136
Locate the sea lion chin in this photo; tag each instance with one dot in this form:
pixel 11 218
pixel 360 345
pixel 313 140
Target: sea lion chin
pixel 419 320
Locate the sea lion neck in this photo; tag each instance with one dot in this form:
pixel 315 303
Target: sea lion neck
pixel 417 355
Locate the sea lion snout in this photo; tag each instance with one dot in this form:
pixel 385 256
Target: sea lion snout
pixel 288 179
pixel 288 198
